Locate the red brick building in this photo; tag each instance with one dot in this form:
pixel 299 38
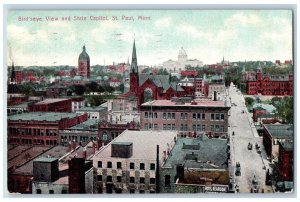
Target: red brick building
pixel 189 73
pixel 258 111
pixel 109 131
pixel 84 64
pixel 273 134
pixel 286 161
pixel 152 87
pixel 40 128
pixel 269 85
pixel 190 117
pixel 52 105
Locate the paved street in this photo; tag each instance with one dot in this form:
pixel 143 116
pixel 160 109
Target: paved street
pixel 251 161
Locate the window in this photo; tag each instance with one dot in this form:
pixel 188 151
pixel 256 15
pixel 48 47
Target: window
pixel 51 191
pixel 155 126
pixel 155 115
pixel 194 116
pixel 152 192
pixel 131 180
pixel 173 116
pixel 185 127
pixel 164 116
pixel 169 126
pixel 109 164
pixel 109 179
pixel 142 191
pixel 38 191
pixel 203 116
pixel 146 115
pixel 169 115
pixel 181 126
pixel 222 128
pixel 203 127
pixel 142 180
pixel 142 166
pixel 212 128
pixel 198 116
pixel 173 127
pixel 150 126
pixel 99 164
pixel 146 126
pixel 119 165
pixel 131 191
pixel 181 116
pixel 152 166
pixel 152 180
pixel 185 115
pixel 198 128
pixel 217 116
pixel 131 165
pixel 119 179
pixel 212 117
pixel 194 127
pixel 167 180
pixel 222 116
pixel 104 136
pixel 150 115
pixel 217 128
pixel 99 178
pixel 164 127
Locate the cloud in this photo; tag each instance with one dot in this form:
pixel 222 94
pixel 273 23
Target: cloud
pixel 193 31
pixel 164 22
pixel 243 19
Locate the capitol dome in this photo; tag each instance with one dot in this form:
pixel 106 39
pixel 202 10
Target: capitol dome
pixel 83 55
pixel 182 52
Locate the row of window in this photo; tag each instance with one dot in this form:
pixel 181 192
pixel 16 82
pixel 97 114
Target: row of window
pixel 196 116
pixel 131 165
pixel 217 128
pixel 35 132
pixel 141 180
pixel 30 141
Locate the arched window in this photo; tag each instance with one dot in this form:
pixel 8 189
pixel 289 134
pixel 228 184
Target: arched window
pixel 104 136
pixel 148 95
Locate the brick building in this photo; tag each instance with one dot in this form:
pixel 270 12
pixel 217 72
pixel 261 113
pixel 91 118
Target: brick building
pixel 98 112
pixel 189 117
pixel 52 105
pixel 275 133
pixel 129 163
pixel 286 161
pixel 40 128
pixel 195 165
pixel 109 131
pixel 269 85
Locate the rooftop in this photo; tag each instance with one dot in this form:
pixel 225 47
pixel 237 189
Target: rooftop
pixel 45 159
pixel 195 103
pixel 287 145
pixel 280 130
pixel 41 116
pixel 97 108
pixel 90 124
pixel 138 139
pixel 199 153
pixel 54 152
pixel 268 107
pixel 51 101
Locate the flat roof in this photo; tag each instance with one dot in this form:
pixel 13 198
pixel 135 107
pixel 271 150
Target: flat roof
pixel 26 156
pixel 51 100
pixel 41 116
pixel 97 108
pixel 143 144
pixel 90 124
pixel 45 159
pixel 287 145
pixel 280 130
pixel 196 103
pixel 54 152
pixel 199 152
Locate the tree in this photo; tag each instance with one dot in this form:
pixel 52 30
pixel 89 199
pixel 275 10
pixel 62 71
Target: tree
pixel 79 89
pixel 249 101
pixel 121 87
pixel 28 89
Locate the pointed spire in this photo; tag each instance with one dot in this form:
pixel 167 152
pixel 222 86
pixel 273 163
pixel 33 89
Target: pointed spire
pixel 134 66
pixel 83 48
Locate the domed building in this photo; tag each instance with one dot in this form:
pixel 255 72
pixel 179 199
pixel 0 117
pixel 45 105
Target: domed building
pixel 84 64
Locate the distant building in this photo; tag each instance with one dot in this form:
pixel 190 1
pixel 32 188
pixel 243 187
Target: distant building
pixel 52 105
pixel 56 91
pixel 269 85
pixel 40 128
pixel 275 133
pixel 97 112
pixel 197 165
pixel 84 64
pixel 190 117
pixel 128 165
pixel 182 62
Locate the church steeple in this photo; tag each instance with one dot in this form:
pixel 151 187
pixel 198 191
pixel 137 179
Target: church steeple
pixel 134 66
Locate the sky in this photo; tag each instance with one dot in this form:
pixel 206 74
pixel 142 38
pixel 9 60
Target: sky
pixel 206 35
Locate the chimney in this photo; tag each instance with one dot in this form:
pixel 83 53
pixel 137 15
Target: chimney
pixel 76 176
pixel 157 169
pixel 215 95
pixel 84 153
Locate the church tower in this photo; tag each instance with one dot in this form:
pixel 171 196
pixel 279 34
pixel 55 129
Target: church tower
pixel 84 64
pixel 259 73
pixel 13 74
pixel 134 72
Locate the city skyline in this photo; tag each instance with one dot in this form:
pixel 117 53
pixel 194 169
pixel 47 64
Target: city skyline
pixel 206 35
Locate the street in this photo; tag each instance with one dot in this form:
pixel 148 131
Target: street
pixel 252 162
